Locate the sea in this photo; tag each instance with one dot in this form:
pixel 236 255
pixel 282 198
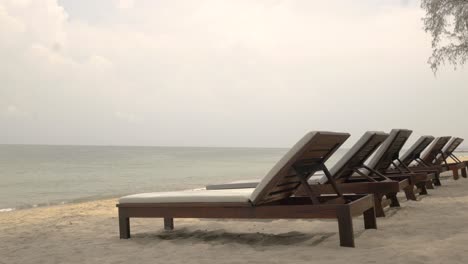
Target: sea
pixel 37 175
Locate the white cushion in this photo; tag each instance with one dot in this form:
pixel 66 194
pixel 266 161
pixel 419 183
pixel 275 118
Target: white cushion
pixel 195 196
pixel 234 185
pixel 316 178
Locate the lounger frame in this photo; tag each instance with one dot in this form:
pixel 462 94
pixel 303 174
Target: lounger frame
pixel 290 208
pixel 273 198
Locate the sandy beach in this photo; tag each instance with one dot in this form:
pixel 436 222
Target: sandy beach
pixel 171 103
pixel 432 230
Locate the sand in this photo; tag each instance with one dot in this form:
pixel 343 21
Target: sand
pixel 432 230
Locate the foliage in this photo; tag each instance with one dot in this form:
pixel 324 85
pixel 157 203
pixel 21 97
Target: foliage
pixel 447 21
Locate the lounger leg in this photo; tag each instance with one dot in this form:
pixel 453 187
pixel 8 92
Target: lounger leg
pixel 379 211
pixel 345 227
pixel 463 172
pixel 429 185
pixel 409 192
pixel 394 200
pixel 168 223
pixel 437 179
pixel 455 174
pixel 422 187
pixel 124 227
pixel 370 222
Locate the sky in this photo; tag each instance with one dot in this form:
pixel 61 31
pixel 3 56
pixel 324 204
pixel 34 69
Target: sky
pixel 235 73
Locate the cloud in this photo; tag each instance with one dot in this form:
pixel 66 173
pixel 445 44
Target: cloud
pixel 127 117
pixel 100 62
pixel 125 4
pixel 218 69
pixel 12 111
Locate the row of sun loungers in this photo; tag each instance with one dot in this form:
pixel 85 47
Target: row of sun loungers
pixel 300 186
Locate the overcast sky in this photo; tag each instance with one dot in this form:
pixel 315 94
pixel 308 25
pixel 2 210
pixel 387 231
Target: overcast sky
pixel 219 73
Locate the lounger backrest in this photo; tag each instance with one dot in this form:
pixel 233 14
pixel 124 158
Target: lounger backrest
pixel 429 156
pixel 416 149
pixel 452 145
pixel 448 149
pixel 389 150
pixel 356 156
pixel 282 181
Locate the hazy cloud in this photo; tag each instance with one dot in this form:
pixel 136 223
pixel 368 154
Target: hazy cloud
pixel 218 73
pixel 124 4
pixel 12 111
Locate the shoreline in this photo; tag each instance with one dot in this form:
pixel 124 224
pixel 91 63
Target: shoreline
pixel 74 201
pixel 95 199
pixel 71 202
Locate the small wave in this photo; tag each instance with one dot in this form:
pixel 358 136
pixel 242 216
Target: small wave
pixel 196 189
pixel 4 210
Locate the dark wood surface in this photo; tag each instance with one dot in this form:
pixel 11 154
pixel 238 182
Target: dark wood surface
pixel 289 208
pixel 384 191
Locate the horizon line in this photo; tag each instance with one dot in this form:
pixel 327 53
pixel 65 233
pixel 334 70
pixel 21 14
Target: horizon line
pixel 143 146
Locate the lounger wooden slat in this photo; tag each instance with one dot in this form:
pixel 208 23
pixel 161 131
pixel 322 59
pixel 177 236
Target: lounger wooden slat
pixel 288 183
pixel 271 199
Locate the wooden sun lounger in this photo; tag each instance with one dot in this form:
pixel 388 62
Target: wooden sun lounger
pixel 411 161
pixel 343 172
pixel 436 157
pixel 271 199
pixel 455 165
pixel 429 156
pixel 387 156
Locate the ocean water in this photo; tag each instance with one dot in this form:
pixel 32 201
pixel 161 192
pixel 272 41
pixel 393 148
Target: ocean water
pixel 33 175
